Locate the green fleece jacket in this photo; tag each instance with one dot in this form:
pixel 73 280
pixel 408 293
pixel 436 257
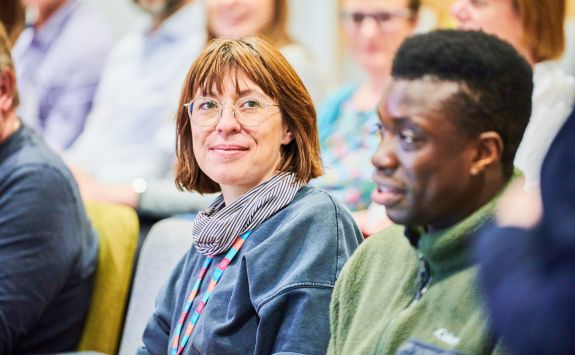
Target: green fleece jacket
pixel 394 298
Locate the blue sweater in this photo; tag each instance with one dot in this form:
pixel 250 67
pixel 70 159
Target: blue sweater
pixel 274 297
pixel 529 275
pixel 48 251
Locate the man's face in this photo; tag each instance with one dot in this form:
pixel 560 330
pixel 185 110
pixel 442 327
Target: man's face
pixel 423 163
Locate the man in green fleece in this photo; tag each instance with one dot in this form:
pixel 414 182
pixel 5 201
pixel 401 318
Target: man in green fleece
pixel 451 119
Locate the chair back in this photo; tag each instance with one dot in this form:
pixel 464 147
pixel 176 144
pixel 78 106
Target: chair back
pixel 164 246
pixel 117 227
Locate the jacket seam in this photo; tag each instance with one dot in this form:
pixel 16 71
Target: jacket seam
pixel 293 286
pixel 337 232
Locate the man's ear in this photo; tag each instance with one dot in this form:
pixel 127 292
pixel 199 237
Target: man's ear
pixel 489 151
pixel 7 87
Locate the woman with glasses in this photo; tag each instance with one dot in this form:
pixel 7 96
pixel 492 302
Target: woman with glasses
pixel 374 30
pixel 265 255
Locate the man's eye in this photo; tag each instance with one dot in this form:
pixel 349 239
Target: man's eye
pixel 379 129
pixel 408 136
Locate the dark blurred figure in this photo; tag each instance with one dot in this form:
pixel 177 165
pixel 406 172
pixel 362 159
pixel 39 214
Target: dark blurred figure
pixel 528 259
pixel 48 250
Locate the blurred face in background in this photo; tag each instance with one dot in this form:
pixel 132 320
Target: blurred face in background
pixel 41 9
pixel 42 3
pixel 239 18
pixel 159 7
pixel 496 17
pixel 151 6
pixel 375 29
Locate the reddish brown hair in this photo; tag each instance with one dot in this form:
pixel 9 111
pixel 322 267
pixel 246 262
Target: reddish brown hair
pixel 543 22
pixel 254 57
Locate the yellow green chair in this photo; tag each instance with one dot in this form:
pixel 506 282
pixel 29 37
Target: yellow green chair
pixel 117 227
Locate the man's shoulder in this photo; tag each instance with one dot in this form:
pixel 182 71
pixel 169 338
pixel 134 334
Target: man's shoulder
pixel 381 252
pixel 31 163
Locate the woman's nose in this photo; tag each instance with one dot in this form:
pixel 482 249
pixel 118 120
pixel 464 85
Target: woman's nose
pixel 228 119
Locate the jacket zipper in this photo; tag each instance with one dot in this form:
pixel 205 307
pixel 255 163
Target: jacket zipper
pixel 423 282
pixel 424 277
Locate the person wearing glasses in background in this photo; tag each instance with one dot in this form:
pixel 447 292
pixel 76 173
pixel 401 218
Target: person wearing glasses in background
pixel 267 252
pixel 374 30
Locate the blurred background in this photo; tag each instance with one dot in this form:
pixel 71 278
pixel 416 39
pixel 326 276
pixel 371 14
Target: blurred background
pixel 315 23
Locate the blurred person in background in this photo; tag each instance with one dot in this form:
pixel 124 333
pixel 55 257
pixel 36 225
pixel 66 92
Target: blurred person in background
pixel 13 18
pixel 129 137
pixel 48 249
pixel 374 30
pixel 536 29
pixel 59 58
pixel 240 18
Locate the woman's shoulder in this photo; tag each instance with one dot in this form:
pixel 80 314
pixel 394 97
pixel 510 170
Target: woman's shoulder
pixel 317 201
pixel 311 209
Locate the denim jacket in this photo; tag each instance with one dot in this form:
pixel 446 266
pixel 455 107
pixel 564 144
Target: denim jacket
pixel 274 296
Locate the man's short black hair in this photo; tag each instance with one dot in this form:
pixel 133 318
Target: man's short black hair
pixel 496 82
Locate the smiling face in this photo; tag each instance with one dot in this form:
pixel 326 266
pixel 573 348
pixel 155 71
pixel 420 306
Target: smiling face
pixel 424 162
pixel 496 17
pixel 239 18
pixel 238 157
pixel 372 42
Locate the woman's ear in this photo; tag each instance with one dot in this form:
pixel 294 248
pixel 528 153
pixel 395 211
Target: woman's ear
pixel 489 151
pixel 287 136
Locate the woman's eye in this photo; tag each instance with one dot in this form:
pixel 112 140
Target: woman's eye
pixel 208 105
pixel 250 104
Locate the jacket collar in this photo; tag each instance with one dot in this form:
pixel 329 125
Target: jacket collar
pixel 449 249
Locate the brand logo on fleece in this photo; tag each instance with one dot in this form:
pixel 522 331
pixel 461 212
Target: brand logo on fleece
pixel 445 336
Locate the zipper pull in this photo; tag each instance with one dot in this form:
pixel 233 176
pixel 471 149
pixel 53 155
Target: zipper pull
pixel 424 277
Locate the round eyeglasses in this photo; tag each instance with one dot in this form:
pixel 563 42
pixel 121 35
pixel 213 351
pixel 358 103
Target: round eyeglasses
pixel 385 20
pixel 207 111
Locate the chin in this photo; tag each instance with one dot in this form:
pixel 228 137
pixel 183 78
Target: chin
pixel 399 217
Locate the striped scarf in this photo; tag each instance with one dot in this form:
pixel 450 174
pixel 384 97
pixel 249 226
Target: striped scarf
pixel 216 228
